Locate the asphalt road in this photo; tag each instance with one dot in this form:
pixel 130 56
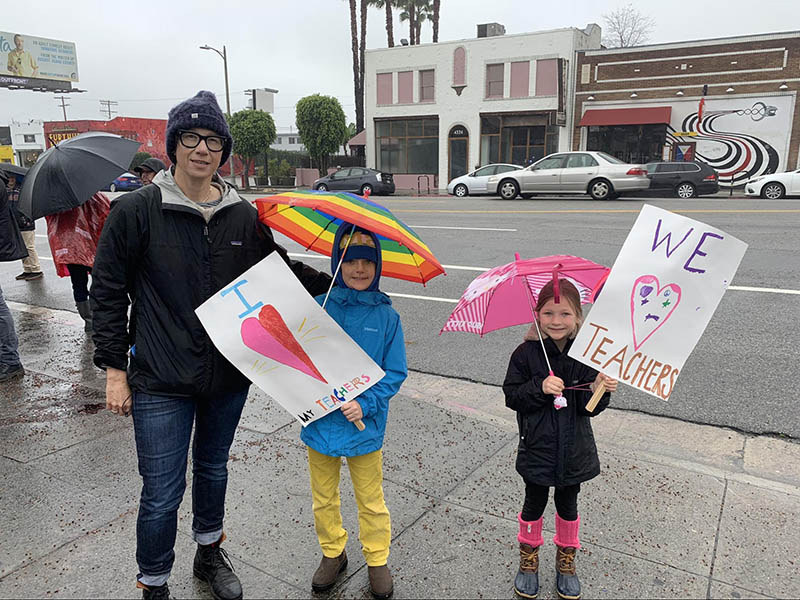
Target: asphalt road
pixel 742 374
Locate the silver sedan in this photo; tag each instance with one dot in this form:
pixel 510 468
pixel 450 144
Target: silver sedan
pixel 598 174
pixel 477 181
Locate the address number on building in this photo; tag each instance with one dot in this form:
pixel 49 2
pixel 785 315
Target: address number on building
pixel 459 131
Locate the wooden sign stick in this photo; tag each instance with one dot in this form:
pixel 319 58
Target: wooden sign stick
pixel 598 393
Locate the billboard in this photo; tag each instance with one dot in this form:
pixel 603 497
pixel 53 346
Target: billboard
pixel 28 57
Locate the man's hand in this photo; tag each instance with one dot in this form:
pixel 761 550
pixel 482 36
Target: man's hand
pixel 352 411
pixel 119 399
pixel 553 385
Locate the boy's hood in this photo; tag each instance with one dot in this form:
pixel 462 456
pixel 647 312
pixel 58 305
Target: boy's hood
pixel 344 230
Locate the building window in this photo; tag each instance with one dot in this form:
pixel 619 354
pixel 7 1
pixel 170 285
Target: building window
pixel 494 80
pixel 292 140
pixel 547 77
pixel 459 66
pixel 29 138
pixel 405 87
pixel 385 88
pixel 520 79
pixel 408 145
pixel 426 86
pixel 630 143
pixel 279 140
pixel 517 139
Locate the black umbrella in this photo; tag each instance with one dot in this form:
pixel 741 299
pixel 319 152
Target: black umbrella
pixel 68 174
pixel 10 169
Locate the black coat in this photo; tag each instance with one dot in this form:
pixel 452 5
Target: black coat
pixel 12 246
pixel 169 261
pixel 556 447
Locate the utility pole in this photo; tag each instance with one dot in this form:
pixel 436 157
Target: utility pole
pixel 106 107
pixel 64 104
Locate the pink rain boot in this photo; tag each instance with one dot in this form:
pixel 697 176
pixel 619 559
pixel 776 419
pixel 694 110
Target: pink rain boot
pixel 566 539
pixel 526 583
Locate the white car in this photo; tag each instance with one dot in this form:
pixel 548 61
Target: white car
pixel 774 186
pixel 477 181
pixel 598 174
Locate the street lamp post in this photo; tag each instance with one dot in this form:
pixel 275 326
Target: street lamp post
pixel 224 55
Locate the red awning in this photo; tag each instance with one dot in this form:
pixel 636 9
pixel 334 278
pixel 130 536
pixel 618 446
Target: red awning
pixel 626 116
pixel 359 139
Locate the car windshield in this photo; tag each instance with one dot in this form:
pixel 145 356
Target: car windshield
pixel 612 159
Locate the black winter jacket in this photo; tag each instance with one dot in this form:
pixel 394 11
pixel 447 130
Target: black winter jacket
pixel 12 246
pixel 556 447
pixel 164 256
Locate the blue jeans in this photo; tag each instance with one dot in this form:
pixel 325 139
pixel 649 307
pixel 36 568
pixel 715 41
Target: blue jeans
pixel 163 428
pixel 8 335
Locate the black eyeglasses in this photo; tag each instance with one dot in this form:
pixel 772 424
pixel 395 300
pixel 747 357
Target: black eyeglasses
pixel 190 139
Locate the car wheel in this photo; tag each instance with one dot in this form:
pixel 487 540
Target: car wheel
pixel 508 189
pixel 461 190
pixel 322 187
pixel 773 191
pixel 600 189
pixel 686 190
pixel 365 189
pixel 112 188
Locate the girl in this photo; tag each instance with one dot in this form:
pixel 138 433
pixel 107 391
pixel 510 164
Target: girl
pixel 556 447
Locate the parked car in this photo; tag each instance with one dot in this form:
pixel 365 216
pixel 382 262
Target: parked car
pixel 125 183
pixel 598 174
pixel 684 179
pixel 357 179
pixel 772 187
pixel 477 181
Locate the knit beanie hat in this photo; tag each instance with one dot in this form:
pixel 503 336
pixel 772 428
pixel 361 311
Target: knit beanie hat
pixel 202 110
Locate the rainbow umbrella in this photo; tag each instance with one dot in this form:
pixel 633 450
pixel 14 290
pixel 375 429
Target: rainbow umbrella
pixel 312 219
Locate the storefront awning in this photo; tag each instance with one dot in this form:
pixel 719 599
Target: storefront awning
pixel 626 116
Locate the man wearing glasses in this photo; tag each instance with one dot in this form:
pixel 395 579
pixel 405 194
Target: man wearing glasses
pixel 168 247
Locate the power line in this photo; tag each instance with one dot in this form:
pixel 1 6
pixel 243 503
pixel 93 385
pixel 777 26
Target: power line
pixel 106 107
pixel 64 105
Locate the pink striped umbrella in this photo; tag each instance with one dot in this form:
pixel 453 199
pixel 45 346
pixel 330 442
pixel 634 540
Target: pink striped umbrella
pixel 505 296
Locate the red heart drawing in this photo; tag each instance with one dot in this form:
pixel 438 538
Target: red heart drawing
pixel 651 306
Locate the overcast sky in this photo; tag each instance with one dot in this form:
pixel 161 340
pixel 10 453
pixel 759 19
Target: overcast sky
pixel 145 54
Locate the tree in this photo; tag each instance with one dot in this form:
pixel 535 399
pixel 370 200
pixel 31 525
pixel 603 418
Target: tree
pixel 349 134
pixel 322 127
pixel 252 131
pixel 387 5
pixel 436 4
pixel 415 12
pixel 358 46
pixel 138 159
pixel 625 27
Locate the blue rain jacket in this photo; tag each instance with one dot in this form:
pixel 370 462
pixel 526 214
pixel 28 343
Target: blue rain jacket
pixel 369 319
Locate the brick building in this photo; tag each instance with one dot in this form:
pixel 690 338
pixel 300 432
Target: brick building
pixel 730 102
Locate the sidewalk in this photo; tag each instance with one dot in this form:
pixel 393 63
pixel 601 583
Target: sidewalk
pixel 680 510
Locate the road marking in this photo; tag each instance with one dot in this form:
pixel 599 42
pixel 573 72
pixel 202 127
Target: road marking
pixel 459 228
pixel 594 211
pixel 430 298
pixel 743 288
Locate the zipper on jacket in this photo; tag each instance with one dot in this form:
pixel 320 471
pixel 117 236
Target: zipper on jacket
pixel 205 233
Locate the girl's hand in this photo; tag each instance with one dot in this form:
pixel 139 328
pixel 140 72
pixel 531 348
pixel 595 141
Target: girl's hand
pixel 352 411
pixel 610 382
pixel 553 385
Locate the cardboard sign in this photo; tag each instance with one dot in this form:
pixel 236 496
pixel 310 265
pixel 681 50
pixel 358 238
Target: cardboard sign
pixel 666 283
pixel 267 325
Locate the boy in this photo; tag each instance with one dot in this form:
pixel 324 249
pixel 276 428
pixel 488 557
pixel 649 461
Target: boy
pixel 367 316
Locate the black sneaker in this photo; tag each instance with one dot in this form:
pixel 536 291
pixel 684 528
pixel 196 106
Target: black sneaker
pixel 23 275
pixel 212 565
pixel 33 276
pixel 155 593
pixel 10 371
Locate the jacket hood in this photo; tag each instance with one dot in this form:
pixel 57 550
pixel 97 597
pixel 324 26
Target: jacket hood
pixel 172 195
pixel 344 229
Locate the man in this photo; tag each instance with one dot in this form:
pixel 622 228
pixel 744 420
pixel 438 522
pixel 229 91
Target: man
pixel 20 62
pixel 11 248
pixel 148 169
pixel 169 246
pixel 31 270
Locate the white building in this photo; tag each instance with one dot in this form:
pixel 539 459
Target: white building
pixel 27 140
pixel 443 109
pixel 288 141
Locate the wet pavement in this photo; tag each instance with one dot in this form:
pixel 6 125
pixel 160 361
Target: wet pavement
pixel 680 510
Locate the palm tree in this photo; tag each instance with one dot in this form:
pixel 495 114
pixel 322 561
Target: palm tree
pixel 358 46
pixel 436 21
pixel 415 12
pixel 387 5
pixel 424 12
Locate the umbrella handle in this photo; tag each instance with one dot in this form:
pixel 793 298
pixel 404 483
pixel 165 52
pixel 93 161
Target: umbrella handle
pixel 598 393
pixel 360 425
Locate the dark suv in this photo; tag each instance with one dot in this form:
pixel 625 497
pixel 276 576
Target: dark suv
pixel 683 179
pixel 356 179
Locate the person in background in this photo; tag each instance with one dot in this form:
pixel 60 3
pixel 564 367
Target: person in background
pixel 20 61
pixel 11 248
pixel 149 169
pixel 31 270
pixel 73 237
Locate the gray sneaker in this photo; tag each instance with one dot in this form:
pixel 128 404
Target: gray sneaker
pixel 10 372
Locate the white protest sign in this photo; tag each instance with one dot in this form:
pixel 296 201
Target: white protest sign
pixel 666 283
pixel 267 325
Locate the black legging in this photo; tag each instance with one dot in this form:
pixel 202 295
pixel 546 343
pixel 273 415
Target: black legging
pixel 79 276
pixel 536 496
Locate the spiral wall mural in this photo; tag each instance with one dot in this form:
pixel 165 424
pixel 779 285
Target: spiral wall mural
pixel 738 142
